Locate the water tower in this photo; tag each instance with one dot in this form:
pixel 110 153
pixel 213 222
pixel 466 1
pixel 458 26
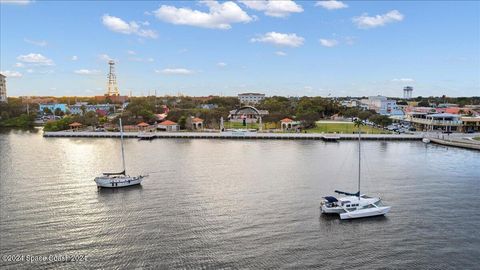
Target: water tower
pixel 407 92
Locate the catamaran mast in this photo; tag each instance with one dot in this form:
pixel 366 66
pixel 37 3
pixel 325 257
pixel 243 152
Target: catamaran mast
pixel 123 152
pixel 359 158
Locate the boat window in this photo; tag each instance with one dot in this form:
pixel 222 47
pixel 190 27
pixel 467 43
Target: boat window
pixel 348 205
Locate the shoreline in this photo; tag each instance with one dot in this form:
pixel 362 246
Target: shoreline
pixel 233 135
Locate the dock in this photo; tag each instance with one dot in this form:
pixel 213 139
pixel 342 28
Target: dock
pixel 457 143
pixel 235 135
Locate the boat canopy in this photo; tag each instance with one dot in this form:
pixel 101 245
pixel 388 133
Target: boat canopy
pixel 119 173
pixel 347 193
pixel 330 199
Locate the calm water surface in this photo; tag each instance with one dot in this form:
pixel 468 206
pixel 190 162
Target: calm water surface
pixel 236 204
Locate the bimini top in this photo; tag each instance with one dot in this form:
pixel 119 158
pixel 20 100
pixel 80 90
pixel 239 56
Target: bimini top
pixel 330 199
pixel 347 193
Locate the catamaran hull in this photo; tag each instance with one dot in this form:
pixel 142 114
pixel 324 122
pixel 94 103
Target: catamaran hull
pixel 369 212
pixel 109 183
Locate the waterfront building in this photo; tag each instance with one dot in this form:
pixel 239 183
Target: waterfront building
pixel 3 88
pixel 435 122
pixel 383 105
pixel 195 123
pixel 53 106
pixel 288 124
pixel 470 123
pixel 251 98
pixel 168 125
pixel 208 106
pixel 98 108
pixel 248 114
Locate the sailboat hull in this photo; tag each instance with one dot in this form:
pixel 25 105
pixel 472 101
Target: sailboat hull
pixel 369 212
pixel 118 182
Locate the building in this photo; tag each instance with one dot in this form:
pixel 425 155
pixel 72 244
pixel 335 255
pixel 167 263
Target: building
pixel 251 98
pixel 288 124
pixel 168 126
pixel 445 122
pixel 3 88
pixel 79 106
pixel 53 106
pixel 247 114
pixel 195 123
pixel 383 105
pixel 407 92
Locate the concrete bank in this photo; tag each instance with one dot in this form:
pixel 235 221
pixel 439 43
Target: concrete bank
pixel 236 135
pixel 465 145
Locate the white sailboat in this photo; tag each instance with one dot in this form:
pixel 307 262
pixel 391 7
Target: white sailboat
pixel 354 205
pixel 121 179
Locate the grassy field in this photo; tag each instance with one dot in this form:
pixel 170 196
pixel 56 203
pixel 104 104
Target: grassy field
pixel 235 125
pixel 344 128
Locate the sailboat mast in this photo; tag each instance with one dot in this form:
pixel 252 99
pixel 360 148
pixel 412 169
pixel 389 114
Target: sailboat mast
pixel 123 152
pixel 359 158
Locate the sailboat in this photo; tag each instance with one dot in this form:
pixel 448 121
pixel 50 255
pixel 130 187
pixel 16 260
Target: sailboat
pixel 354 205
pixel 121 179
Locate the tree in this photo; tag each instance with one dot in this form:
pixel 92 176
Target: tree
pixel 47 110
pixel 84 109
pixel 59 112
pixel 364 115
pixel 424 103
pixel 182 122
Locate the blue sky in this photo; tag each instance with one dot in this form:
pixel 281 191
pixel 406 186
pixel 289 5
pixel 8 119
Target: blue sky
pixel 289 48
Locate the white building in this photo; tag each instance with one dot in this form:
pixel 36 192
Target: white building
pixel 3 88
pixel 251 98
pixel 383 105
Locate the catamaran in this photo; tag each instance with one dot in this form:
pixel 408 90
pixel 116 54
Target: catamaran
pixel 121 179
pixel 354 205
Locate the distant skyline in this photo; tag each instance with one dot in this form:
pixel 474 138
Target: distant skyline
pixel 290 48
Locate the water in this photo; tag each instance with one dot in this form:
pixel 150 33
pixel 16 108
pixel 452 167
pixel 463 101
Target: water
pixel 236 204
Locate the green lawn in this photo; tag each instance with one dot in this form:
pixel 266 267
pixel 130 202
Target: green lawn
pixel 344 128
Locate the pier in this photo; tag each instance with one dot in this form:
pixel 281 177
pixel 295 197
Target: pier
pixel 235 135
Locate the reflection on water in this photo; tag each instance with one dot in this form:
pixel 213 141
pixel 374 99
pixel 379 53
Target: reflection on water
pixel 236 204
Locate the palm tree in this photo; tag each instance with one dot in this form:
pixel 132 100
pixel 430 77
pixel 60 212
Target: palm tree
pixel 358 123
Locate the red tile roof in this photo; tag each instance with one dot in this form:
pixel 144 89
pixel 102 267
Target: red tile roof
pixel 143 124
pixel 168 123
pixel 197 120
pixel 75 124
pixel 287 120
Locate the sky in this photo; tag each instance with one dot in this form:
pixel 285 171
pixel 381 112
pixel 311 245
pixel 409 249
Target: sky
pixel 199 48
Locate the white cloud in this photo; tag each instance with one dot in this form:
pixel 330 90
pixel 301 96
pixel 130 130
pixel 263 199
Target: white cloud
pixel 365 21
pixel 35 59
pixel 41 43
pixel 131 52
pixel 280 39
pixel 19 65
pixel 328 42
pixel 74 58
pixel 105 57
pixel 175 71
pixel 219 16
pixel 274 8
pixel 118 25
pixel 30 70
pixel 280 53
pixel 403 80
pixel 87 71
pixel 16 2
pixel 150 59
pixel 331 4
pixel 11 74
pixel 221 64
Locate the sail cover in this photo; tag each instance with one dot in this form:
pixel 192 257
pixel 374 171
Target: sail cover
pixel 347 193
pixel 120 173
pixel 331 199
